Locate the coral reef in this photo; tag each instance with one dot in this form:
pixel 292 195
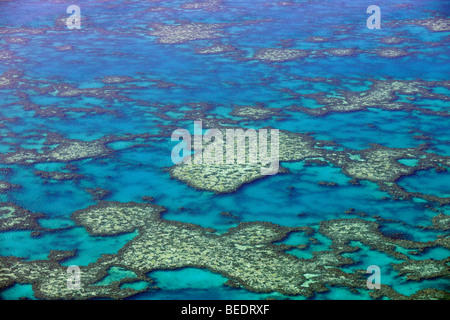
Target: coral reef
pixel 279 55
pixel 175 34
pixel 13 217
pixel 245 254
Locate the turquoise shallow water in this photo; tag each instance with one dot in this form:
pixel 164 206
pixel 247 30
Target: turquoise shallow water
pixel 170 79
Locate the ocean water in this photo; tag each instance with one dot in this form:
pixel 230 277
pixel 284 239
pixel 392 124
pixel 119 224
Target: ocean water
pixel 170 80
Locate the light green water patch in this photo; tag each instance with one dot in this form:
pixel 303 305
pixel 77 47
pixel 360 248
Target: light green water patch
pixel 367 257
pixel 224 111
pixel 89 249
pixel 404 251
pixel 18 291
pixel 441 90
pixel 183 108
pixel 187 278
pixel 50 166
pixel 139 173
pixel 5 148
pixel 355 157
pixel 323 244
pixel 409 162
pixel 55 223
pixel 115 274
pixel 294 166
pixel 13 139
pixel 61 197
pixel 174 115
pixel 118 145
pixel 20 244
pixel 295 238
pixel 301 254
pixel 419 200
pixel 325 173
pixel 137 285
pixel 201 216
pixel 309 103
pixel 333 148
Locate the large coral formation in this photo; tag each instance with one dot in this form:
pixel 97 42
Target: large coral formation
pixel 245 254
